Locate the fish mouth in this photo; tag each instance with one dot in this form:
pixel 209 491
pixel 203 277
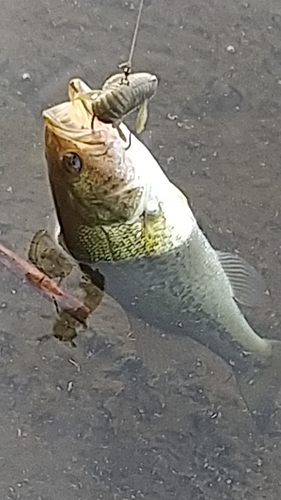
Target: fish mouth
pixel 73 119
pixel 110 169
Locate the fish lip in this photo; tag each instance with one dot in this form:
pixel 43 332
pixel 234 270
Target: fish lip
pixel 51 119
pixel 58 120
pixel 59 116
pixel 70 119
pixel 104 134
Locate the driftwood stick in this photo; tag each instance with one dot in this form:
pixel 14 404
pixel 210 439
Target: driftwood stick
pixel 44 284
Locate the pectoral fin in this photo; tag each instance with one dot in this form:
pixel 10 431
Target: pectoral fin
pixel 247 284
pixel 142 117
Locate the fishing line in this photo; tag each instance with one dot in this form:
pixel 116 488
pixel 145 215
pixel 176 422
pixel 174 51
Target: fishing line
pixel 127 66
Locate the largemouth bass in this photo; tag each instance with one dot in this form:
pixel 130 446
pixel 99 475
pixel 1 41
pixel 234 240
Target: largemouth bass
pixel 118 211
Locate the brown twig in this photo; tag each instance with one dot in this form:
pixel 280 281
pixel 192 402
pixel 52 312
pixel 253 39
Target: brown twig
pixel 44 284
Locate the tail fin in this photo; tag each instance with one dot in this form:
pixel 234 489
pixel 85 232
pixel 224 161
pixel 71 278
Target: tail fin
pixel 260 387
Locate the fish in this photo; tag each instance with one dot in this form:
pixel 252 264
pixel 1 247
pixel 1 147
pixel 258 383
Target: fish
pixel 121 96
pixel 118 211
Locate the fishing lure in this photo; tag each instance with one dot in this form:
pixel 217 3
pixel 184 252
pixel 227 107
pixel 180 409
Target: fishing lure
pixel 118 99
pixel 122 94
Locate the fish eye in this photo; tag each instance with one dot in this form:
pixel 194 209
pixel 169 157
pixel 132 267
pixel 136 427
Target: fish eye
pixel 72 162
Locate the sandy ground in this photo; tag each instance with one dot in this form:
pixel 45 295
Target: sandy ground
pixel 91 422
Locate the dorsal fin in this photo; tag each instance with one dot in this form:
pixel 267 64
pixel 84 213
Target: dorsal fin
pixel 247 284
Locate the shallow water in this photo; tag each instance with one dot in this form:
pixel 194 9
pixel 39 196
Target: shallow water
pixel 90 422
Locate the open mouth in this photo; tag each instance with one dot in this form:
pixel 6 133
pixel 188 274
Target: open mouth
pixel 73 116
pixel 73 119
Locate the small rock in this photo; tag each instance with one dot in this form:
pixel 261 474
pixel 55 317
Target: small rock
pixel 231 49
pixel 26 76
pixel 262 183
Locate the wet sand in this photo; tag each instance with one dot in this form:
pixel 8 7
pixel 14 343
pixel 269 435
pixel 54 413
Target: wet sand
pixel 92 422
